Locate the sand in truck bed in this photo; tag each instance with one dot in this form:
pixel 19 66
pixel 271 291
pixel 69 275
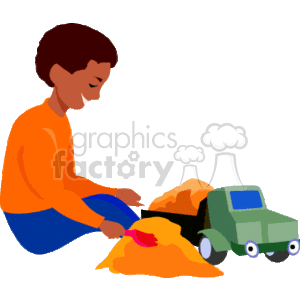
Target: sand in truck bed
pixel 183 199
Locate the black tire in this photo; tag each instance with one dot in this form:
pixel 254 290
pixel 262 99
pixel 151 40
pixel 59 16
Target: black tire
pixel 278 257
pixel 213 257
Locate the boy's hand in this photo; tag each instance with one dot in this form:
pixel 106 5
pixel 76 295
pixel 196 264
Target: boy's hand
pixel 129 197
pixel 111 229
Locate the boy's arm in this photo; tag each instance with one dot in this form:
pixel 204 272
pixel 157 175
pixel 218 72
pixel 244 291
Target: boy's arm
pixel 80 185
pixel 38 155
pixel 85 187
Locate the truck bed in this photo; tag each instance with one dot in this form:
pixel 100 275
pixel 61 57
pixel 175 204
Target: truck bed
pixel 190 225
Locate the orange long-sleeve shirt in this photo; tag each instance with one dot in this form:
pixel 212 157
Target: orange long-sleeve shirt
pixel 38 171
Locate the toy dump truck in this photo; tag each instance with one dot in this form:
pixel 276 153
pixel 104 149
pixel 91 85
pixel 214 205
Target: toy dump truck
pixel 236 218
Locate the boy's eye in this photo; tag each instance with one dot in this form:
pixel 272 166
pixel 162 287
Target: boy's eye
pixel 92 85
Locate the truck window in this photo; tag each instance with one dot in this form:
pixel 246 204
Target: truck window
pixel 245 199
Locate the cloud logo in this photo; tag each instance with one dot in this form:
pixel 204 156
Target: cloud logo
pixel 187 154
pixel 221 137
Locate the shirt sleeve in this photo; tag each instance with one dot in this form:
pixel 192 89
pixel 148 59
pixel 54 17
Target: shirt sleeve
pixel 85 187
pixel 80 185
pixel 43 166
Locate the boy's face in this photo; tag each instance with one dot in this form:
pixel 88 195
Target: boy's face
pixel 76 89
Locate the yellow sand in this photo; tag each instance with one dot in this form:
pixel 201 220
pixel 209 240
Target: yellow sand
pixel 174 255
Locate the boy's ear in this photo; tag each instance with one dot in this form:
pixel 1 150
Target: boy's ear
pixel 57 73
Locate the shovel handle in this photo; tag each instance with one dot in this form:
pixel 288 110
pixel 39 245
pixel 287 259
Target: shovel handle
pixel 129 233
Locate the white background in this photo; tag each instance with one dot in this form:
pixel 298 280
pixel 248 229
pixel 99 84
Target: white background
pixel 182 65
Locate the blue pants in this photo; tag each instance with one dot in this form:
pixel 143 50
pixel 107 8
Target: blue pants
pixel 46 231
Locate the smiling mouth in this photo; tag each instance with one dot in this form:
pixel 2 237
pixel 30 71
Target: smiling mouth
pixel 84 100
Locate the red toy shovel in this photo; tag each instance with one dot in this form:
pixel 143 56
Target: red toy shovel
pixel 142 238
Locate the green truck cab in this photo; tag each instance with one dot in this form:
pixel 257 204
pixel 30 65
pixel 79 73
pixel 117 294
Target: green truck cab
pixel 241 222
pixel 236 218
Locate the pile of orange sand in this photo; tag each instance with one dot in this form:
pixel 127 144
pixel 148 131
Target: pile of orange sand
pixel 173 256
pixel 184 199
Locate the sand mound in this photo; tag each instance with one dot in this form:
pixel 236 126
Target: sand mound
pixel 174 255
pixel 184 199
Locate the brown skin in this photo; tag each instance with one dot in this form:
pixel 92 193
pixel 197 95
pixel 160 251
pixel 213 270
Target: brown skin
pixel 67 93
pixel 69 87
pixel 112 230
pixel 129 197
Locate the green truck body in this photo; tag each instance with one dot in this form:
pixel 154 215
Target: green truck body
pixel 236 218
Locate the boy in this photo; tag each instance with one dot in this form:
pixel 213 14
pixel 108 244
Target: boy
pixel 46 205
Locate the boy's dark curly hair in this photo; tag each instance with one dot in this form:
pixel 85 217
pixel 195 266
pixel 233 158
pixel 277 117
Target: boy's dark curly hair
pixel 72 46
